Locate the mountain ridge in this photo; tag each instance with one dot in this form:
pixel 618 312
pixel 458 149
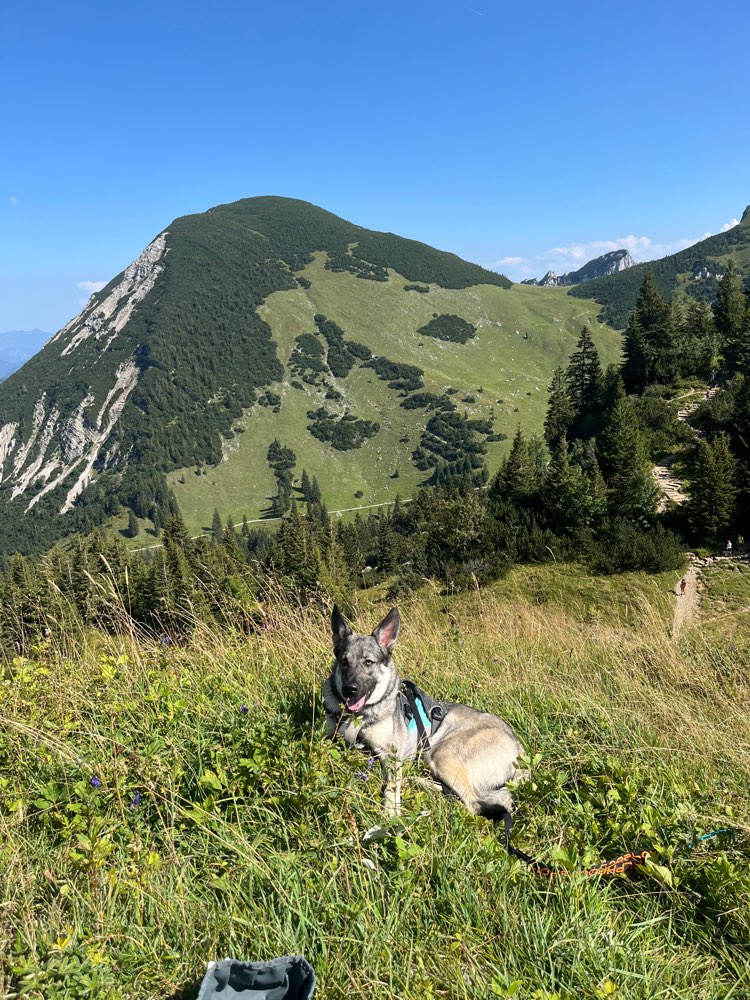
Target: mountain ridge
pixel 692 271
pixel 145 395
pixel 598 267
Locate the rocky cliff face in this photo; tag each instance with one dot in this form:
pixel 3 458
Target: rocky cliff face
pixel 599 267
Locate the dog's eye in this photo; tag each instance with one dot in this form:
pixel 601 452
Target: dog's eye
pixel 343 661
pixel 369 663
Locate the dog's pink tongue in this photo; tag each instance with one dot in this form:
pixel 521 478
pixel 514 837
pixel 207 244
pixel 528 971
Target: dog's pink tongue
pixel 356 706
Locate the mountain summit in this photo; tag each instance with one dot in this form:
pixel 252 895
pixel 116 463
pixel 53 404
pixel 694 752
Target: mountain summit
pixel 599 267
pixel 267 319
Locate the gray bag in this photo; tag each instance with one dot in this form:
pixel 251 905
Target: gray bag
pixel 289 978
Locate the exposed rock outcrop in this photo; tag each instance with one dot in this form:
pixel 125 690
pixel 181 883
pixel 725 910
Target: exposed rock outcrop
pixel 599 267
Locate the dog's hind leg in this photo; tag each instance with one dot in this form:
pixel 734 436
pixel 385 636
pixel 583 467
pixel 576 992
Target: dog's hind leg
pixel 455 780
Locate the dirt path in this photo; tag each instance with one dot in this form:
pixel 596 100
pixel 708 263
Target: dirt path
pixel 671 487
pixel 687 604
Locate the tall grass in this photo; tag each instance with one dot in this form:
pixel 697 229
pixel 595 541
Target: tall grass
pixel 166 803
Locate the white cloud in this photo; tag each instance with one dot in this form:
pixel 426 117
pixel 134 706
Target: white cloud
pixel 90 286
pixel 13 200
pixel 575 255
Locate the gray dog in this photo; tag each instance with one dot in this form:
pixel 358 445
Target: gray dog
pixel 470 754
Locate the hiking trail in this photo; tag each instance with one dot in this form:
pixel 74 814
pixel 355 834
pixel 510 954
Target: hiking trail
pixel 688 604
pixel 671 487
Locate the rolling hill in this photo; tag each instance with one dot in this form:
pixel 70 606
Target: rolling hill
pixel 376 359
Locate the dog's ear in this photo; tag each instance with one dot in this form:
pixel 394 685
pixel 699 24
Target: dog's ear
pixel 339 627
pixel 387 631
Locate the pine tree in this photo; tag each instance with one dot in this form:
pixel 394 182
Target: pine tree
pixel 217 529
pixel 245 530
pixel 560 411
pixel 712 489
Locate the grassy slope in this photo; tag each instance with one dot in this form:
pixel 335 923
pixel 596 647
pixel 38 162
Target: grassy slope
pixel 247 838
pixel 385 318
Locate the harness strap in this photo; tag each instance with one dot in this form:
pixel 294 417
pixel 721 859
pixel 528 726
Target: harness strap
pixel 415 714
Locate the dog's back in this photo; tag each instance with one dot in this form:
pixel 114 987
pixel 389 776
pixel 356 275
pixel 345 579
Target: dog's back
pixel 474 754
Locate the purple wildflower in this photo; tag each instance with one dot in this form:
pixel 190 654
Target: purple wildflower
pixel 244 709
pixel 371 762
pixel 362 775
pixel 136 800
pixel 96 782
pixel 165 640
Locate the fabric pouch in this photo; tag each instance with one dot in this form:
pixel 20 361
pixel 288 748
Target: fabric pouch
pixel 289 978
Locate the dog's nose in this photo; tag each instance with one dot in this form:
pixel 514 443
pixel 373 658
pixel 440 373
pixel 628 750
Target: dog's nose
pixel 351 689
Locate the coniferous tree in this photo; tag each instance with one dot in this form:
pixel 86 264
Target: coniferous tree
pixel 133 526
pixel 217 529
pixel 560 413
pixel 583 378
pixel 712 489
pixel 516 480
pixel 699 343
pixel 296 555
pixel 245 530
pixel 564 493
pixel 648 333
pixel 305 486
pixel 730 314
pixel 633 493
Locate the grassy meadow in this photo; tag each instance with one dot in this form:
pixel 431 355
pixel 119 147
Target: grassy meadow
pixel 523 334
pixel 162 805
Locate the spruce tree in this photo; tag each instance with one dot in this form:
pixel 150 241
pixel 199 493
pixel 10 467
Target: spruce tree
pixel 560 413
pixel 648 338
pixel 633 493
pixel 564 494
pixel 583 378
pixel 305 485
pixel 516 479
pixel 133 526
pixel 699 342
pixel 730 314
pixel 712 490
pixel 217 529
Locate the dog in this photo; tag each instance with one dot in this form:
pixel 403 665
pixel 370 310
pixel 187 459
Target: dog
pixel 470 754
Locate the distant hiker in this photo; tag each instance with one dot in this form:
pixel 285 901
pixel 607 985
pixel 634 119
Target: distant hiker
pixel 728 548
pixel 740 542
pixel 683 585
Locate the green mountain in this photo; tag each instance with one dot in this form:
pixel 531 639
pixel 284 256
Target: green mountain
pixel 379 361
pixel 691 272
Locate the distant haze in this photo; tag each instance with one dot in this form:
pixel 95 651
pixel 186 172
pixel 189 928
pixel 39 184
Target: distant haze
pixel 17 346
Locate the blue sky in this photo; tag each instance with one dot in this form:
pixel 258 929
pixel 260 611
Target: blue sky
pixel 497 130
